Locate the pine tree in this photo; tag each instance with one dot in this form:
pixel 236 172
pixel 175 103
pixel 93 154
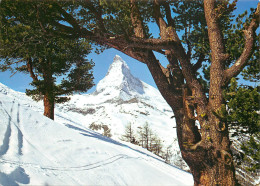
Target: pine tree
pixel 27 46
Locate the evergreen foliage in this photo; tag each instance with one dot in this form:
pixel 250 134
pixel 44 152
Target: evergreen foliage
pixel 28 46
pixel 243 108
pixel 244 120
pixel 252 153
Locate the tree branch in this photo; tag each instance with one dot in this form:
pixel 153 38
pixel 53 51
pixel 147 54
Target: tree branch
pixel 158 72
pixel 38 19
pixel 72 21
pixel 68 17
pixel 218 54
pixel 178 52
pixel 137 20
pixel 151 43
pixel 97 11
pixel 30 70
pixel 197 65
pixel 188 43
pixel 249 33
pixel 162 82
pixel 167 8
pixel 160 21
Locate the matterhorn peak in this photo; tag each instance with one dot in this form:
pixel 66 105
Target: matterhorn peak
pixel 119 80
pixel 117 59
pixel 118 67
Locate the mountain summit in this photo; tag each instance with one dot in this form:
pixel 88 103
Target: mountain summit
pixel 121 98
pixel 119 81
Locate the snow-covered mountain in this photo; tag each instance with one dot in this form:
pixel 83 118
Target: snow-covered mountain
pixel 121 98
pixel 35 150
pixel 120 83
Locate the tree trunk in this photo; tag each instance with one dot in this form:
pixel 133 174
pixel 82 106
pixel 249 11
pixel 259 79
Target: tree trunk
pixel 210 162
pixel 212 168
pixel 49 97
pixel 218 174
pixel 48 107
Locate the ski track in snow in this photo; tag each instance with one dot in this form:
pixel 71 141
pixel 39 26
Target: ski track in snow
pixel 15 116
pixel 9 132
pixel 4 148
pixel 6 141
pixel 20 134
pixel 14 122
pixel 101 163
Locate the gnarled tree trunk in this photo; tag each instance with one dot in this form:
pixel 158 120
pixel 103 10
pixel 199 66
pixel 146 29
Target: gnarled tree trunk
pixel 210 162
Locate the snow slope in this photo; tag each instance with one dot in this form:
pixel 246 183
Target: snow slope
pixel 37 151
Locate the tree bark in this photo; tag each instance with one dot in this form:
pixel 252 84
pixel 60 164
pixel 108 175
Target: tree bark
pixel 49 97
pixel 210 164
pixel 215 175
pixel 48 106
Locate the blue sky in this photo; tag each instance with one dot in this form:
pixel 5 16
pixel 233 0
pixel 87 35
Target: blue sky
pixel 20 82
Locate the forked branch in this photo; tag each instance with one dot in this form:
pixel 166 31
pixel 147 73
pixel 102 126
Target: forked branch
pixel 249 33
